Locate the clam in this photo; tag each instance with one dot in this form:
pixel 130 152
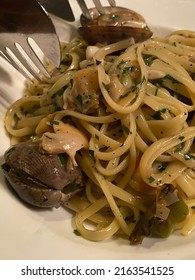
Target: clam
pixel 40 179
pixel 116 24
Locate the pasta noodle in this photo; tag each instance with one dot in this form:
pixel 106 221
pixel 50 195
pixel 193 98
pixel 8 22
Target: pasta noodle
pixel 135 104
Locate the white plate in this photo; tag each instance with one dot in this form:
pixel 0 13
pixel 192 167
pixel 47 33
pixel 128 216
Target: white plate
pixel 48 234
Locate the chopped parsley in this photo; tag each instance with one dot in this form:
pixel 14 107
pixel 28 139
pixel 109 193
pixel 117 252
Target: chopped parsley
pixel 178 148
pixel 125 129
pixel 122 62
pixel 73 186
pixel 114 17
pixel 62 159
pixel 60 92
pixel 148 59
pixel 79 99
pixel 161 167
pixel 91 153
pixel 136 89
pixel 97 137
pixel 54 122
pixel 151 179
pixel 76 232
pixel 127 70
pixel 159 82
pixel 158 114
pixel 188 156
pixel 124 95
pixel 156 91
pixel 181 138
pixel 22 110
pixel 105 86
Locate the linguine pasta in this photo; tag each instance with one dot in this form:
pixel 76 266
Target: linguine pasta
pixel 135 105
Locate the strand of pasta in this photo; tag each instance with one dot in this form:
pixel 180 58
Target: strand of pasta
pixel 112 171
pixel 120 136
pixel 158 148
pixel 113 205
pixel 187 184
pixel 189 226
pixel 124 181
pixel 151 89
pixel 106 190
pixel 165 55
pixel 104 80
pixel 178 49
pixel 104 51
pixel 99 119
pixel 143 125
pixel 128 55
pixel 60 83
pixel 121 150
pixel 95 235
pixel 16 110
pixel 102 138
pixel 187 81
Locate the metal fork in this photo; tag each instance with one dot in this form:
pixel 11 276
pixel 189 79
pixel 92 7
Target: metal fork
pixel 24 24
pixel 97 4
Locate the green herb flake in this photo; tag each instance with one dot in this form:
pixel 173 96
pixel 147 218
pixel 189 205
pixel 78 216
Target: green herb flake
pixel 125 95
pixel 76 232
pixel 114 17
pixel 161 167
pixel 73 186
pixel 146 27
pixel 54 122
pixel 178 148
pixel 148 59
pixel 122 62
pixel 143 80
pixel 91 153
pixel 125 129
pixel 97 137
pixel 156 91
pixel 79 99
pixel 188 156
pixel 71 83
pixel 181 138
pixel 173 80
pixel 23 111
pixel 127 70
pixel 10 150
pixel 60 92
pixel 193 207
pixel 136 89
pixel 151 179
pixel 62 159
pixel 158 114
pixel 160 82
pixel 105 86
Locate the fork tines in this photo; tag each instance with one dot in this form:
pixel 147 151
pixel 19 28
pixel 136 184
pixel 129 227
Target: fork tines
pixel 22 56
pixel 97 4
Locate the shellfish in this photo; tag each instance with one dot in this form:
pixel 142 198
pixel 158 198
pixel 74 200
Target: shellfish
pixel 40 179
pixel 116 24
